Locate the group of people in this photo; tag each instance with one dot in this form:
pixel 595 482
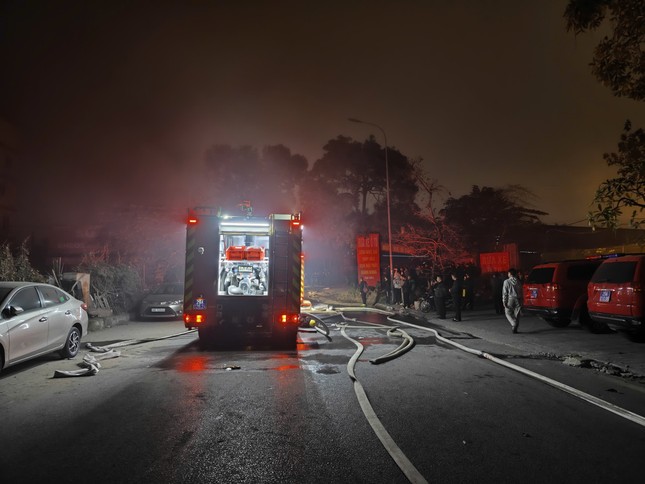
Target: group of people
pixel 406 284
pixel 507 293
pixel 402 289
pixel 507 296
pixel 461 291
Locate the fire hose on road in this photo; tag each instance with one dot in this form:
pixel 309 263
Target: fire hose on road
pixel 401 460
pixel 91 365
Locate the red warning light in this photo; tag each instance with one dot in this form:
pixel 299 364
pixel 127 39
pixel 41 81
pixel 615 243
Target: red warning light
pixel 289 318
pixel 192 220
pixel 196 318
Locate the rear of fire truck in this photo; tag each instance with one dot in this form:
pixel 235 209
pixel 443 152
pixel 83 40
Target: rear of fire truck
pixel 243 277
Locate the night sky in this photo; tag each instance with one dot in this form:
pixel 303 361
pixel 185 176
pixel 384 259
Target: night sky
pixel 117 101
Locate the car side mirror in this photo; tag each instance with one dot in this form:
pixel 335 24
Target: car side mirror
pixel 14 310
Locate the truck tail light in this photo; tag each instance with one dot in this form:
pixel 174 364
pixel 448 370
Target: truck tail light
pixel 289 318
pixel 295 221
pixel 194 318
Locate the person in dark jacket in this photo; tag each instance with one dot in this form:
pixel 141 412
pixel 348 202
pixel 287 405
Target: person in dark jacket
pixel 497 285
pixel 406 291
pixel 363 288
pixel 469 292
pixel 440 294
pixel 455 293
pixel 386 286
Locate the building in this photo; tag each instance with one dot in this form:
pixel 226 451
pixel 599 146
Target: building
pixel 548 243
pixel 560 242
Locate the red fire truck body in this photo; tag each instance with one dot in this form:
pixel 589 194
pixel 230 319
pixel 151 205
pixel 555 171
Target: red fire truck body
pixel 243 277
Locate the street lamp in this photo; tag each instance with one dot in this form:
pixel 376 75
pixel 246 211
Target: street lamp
pixel 387 199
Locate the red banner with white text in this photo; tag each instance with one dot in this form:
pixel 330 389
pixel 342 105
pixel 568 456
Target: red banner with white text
pixel 494 262
pixel 368 258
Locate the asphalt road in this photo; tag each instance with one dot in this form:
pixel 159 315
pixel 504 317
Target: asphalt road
pixel 168 410
pixel 538 337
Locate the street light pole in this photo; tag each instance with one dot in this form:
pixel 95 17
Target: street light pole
pixel 387 199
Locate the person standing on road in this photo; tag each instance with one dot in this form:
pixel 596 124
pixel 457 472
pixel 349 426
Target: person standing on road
pixel 386 286
pixel 406 290
pixel 440 294
pixel 496 285
pixel 378 288
pixel 455 292
pixel 469 292
pixel 362 287
pixel 397 280
pixel 512 299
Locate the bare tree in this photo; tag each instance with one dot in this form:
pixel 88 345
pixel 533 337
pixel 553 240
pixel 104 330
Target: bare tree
pixel 436 242
pixel 428 187
pixel 431 238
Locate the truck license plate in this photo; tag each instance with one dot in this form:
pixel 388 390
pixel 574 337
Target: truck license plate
pixel 605 295
pixel 533 293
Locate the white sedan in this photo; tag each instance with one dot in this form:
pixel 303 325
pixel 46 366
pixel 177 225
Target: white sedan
pixel 36 319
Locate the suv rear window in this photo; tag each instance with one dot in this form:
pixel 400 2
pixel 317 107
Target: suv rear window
pixel 581 272
pixel 541 275
pixel 617 272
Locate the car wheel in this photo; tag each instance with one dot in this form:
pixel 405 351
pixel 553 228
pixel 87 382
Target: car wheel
pixel 72 344
pixel 595 327
pixel 598 327
pixel 583 316
pixel 557 322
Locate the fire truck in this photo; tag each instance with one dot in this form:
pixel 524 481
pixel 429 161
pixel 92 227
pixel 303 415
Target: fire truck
pixel 243 277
